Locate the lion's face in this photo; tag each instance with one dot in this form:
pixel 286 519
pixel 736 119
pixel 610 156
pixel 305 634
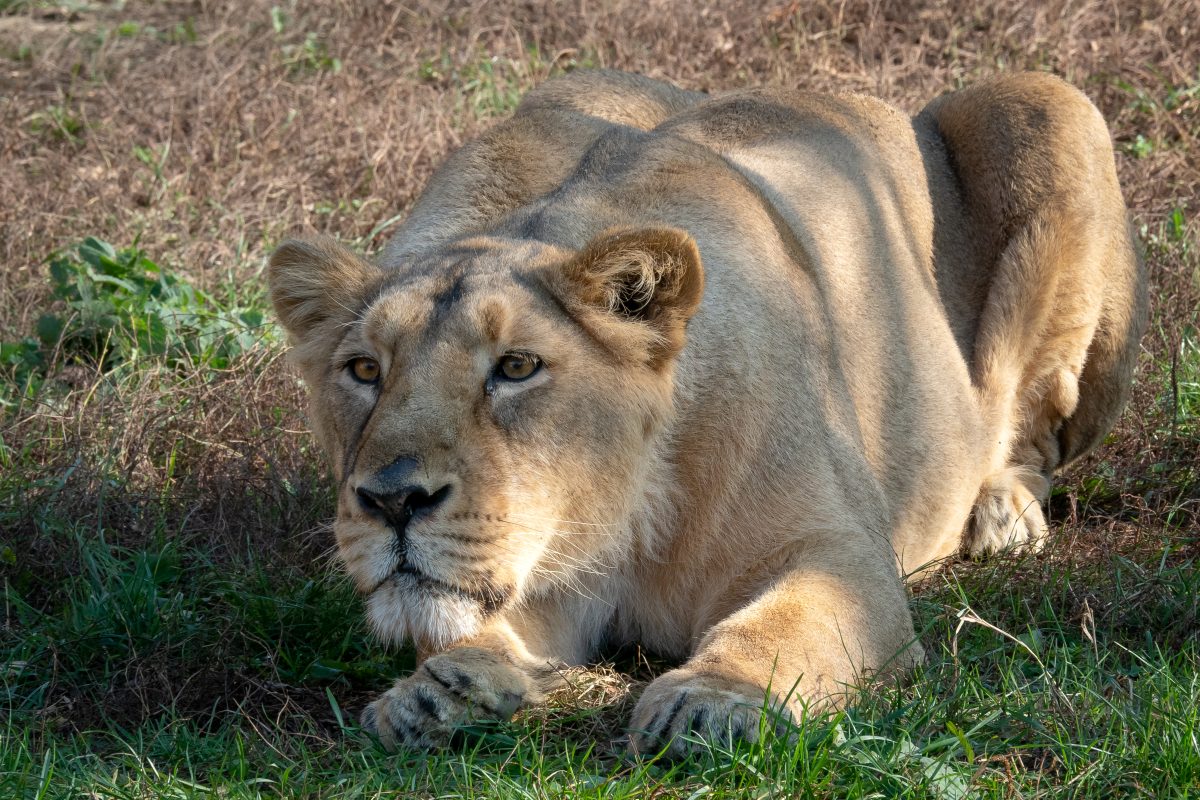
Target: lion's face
pixel 488 412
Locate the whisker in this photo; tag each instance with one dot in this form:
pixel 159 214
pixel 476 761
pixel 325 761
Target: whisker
pixel 582 564
pixel 561 521
pixel 579 558
pixel 568 581
pixel 583 555
pixel 546 531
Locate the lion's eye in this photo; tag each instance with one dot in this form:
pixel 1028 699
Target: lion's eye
pixel 364 370
pixel 518 366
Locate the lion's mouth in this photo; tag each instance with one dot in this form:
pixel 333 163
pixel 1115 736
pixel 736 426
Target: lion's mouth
pixel 406 568
pixel 490 598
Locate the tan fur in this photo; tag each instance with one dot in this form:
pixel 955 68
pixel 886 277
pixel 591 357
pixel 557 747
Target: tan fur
pixel 795 348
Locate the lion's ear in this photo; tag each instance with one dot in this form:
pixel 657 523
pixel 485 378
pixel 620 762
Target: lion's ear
pixel 314 281
pixel 648 275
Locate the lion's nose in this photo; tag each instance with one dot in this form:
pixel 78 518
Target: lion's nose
pixel 397 496
pixel 400 506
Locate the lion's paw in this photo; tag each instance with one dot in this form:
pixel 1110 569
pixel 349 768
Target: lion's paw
pixel 446 692
pixel 1006 517
pixel 683 711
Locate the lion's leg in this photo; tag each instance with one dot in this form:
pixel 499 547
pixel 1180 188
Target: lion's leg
pixel 835 614
pixel 1112 354
pixel 451 689
pixel 1058 329
pixel 1034 333
pixel 1033 338
pixel 504 668
pixel 1053 360
pixel 1007 514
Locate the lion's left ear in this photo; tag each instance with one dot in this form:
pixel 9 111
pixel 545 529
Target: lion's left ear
pixel 647 275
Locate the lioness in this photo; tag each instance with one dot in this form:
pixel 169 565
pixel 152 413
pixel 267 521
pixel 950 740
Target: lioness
pixel 713 374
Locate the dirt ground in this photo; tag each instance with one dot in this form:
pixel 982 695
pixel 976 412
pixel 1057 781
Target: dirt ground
pixel 255 133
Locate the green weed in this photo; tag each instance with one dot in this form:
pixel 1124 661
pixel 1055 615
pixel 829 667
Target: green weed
pixel 22 53
pixel 57 122
pixel 1177 102
pixel 1140 147
pixel 492 86
pixel 155 158
pixel 118 307
pixel 181 32
pixel 310 55
pixel 1179 371
pixel 1168 97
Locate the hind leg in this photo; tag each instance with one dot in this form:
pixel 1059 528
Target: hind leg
pixel 1069 390
pixel 1030 353
pixel 1065 303
pixel 1007 514
pixel 1008 510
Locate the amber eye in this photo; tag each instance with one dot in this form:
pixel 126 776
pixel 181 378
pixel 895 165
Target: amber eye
pixel 518 366
pixel 364 370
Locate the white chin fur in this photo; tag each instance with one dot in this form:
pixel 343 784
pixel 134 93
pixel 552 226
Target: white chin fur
pixel 397 611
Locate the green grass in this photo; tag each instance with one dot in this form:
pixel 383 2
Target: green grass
pixel 57 122
pixel 490 87
pixel 1101 706
pixel 310 55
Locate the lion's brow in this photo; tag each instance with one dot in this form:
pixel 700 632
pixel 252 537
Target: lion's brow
pixel 446 299
pixel 536 288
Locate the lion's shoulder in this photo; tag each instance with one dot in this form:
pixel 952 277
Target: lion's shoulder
pixel 531 153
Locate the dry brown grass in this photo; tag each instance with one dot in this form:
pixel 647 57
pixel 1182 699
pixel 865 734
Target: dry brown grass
pixel 257 144
pixel 259 137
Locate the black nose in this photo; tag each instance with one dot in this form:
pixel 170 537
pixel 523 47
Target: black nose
pixel 400 506
pixel 395 495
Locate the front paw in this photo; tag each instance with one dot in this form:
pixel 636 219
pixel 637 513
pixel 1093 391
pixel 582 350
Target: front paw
pixel 683 710
pixel 446 692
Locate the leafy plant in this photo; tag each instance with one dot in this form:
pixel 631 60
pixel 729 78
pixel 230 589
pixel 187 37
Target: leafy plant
pixel 119 307
pixel 1140 147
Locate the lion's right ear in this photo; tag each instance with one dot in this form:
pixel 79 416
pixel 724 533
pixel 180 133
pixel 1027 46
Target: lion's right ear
pixel 316 281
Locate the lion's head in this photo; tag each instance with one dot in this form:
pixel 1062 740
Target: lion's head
pixel 489 410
